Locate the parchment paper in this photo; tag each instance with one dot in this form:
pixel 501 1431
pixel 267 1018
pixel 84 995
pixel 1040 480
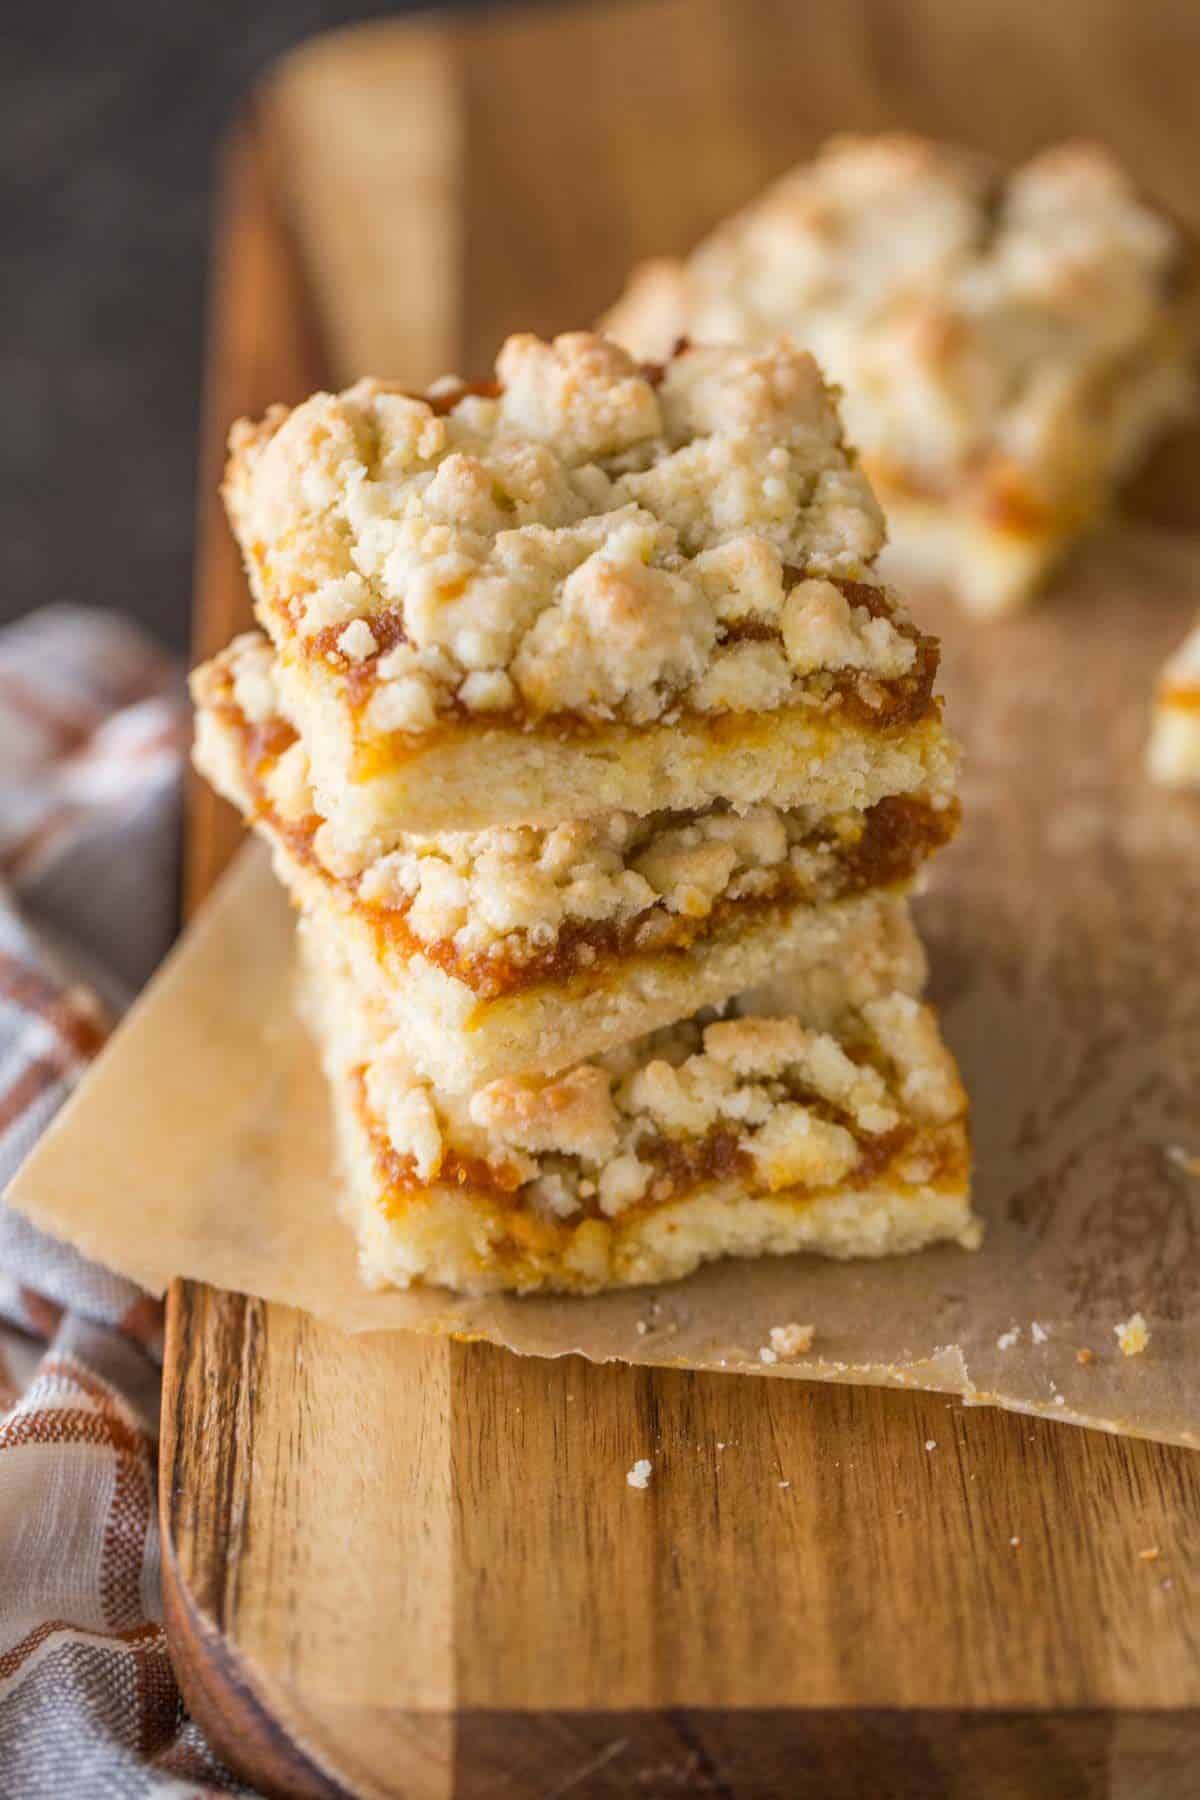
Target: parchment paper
pixel 1063 934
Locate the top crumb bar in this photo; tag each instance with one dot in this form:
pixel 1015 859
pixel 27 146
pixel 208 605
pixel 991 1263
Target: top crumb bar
pixel 586 584
pixel 1009 343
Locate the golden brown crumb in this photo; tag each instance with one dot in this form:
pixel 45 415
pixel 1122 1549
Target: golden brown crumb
pixel 1085 1356
pixel 1150 1555
pixel 1132 1335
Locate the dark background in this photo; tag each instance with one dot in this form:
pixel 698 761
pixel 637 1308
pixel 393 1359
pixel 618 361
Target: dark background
pixel 110 111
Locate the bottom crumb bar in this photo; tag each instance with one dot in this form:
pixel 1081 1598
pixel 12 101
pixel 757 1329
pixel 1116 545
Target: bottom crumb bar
pixel 743 1135
pixel 1174 752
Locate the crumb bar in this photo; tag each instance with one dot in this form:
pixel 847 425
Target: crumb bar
pixel 586 586
pixel 1173 757
pixel 1009 344
pixel 740 1136
pixel 527 947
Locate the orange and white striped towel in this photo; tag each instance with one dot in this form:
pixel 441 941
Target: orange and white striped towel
pixel 92 733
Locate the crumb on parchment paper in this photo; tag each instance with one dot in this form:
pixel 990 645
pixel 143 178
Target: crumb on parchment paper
pixel 1132 1335
pixel 639 1475
pixel 1085 1356
pixel 1008 1339
pixel 1038 1333
pixel 792 1340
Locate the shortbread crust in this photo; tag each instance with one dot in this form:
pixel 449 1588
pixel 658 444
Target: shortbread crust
pixel 1173 756
pixel 1009 346
pixel 520 948
pixel 609 587
pixel 740 1136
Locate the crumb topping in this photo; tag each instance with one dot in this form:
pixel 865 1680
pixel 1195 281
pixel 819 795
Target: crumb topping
pixel 980 325
pixel 508 907
pixel 788 1109
pixel 587 539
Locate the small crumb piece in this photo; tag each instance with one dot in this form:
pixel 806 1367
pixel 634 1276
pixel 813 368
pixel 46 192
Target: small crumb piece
pixel 931 1443
pixel 642 1328
pixel 792 1340
pixel 1014 1541
pixel 1132 1335
pixel 1150 1555
pixel 1038 1333
pixel 1183 1159
pixel 639 1475
pixel 1059 1400
pixel 1085 1356
pixel 358 641
pixel 1007 1339
pixel 784 1484
pixel 767 1355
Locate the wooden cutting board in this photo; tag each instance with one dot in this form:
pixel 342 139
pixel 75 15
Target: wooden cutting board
pixel 406 1568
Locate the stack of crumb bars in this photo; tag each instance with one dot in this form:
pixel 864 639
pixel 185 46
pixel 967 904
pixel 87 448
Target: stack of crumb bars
pixel 598 763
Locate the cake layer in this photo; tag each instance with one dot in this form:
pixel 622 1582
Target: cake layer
pixel 523 948
pixel 1174 751
pixel 585 586
pixel 731 1137
pixel 1009 345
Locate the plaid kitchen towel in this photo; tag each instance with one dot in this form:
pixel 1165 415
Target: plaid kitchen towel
pixel 92 733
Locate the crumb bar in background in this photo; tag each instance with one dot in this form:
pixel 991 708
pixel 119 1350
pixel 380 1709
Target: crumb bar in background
pixel 588 586
pixel 1173 756
pixel 527 947
pixel 1010 343
pixel 741 1136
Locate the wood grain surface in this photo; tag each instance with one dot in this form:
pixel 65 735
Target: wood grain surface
pixel 398 1567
